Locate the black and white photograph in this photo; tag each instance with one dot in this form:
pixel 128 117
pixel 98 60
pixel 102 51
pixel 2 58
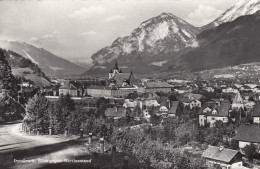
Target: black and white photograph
pixel 129 84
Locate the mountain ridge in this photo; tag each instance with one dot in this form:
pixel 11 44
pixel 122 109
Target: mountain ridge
pixel 50 64
pixel 241 8
pixel 149 45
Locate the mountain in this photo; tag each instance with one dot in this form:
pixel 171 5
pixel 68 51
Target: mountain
pixel 231 43
pixel 50 64
pixel 154 43
pixel 25 68
pixel 241 8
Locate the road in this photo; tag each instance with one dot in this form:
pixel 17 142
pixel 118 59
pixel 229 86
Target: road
pixel 18 150
pixel 10 141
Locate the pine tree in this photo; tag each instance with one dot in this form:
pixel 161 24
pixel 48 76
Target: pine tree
pixel 7 80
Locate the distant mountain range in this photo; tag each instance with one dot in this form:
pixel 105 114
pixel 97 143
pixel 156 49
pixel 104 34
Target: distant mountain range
pixel 49 63
pixel 168 43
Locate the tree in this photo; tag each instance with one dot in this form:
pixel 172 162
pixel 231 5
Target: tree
pixel 7 80
pixel 250 151
pixel 61 113
pixel 234 144
pixel 37 113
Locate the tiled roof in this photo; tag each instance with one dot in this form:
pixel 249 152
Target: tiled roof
pixel 214 153
pixel 223 109
pixel 119 78
pixel 248 133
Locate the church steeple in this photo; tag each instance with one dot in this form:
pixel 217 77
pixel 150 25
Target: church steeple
pixel 116 67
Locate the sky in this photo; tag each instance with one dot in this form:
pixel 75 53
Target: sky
pixel 76 29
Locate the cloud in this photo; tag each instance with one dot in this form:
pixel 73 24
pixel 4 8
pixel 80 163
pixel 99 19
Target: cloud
pixel 39 40
pixel 34 39
pixel 87 12
pixel 115 18
pixel 203 15
pixel 90 33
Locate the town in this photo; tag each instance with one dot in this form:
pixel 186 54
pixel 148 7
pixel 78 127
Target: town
pixel 212 123
pixel 130 84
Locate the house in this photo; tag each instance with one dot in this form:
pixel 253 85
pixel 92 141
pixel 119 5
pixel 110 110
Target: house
pixel 168 109
pixel 212 112
pixel 248 134
pixel 256 114
pixel 115 112
pixel 238 102
pixel 68 88
pixel 223 157
pixel 163 111
pixel 191 103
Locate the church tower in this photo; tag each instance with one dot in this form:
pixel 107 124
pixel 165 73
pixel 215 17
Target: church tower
pixel 238 102
pixel 115 71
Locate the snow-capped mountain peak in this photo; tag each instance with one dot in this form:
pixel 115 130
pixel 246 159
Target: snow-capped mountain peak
pixel 241 8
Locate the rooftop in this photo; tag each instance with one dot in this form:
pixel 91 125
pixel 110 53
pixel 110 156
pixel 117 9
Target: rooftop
pixel 223 155
pixel 222 110
pixel 248 133
pixel 174 106
pixel 68 86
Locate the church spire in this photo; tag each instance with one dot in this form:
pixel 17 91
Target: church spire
pixel 116 67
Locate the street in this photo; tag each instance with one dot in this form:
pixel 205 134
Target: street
pixel 18 150
pixel 10 141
